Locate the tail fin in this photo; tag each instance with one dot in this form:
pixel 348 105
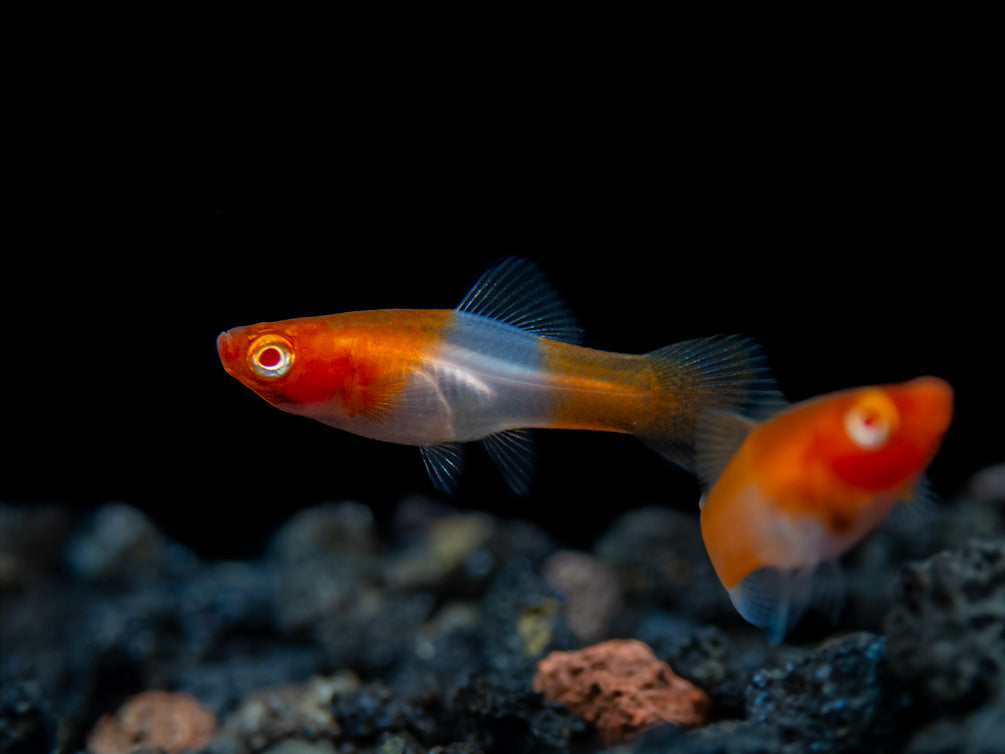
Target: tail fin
pixel 725 372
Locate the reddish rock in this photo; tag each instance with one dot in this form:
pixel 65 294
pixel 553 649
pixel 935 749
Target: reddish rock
pixel 622 688
pixel 154 720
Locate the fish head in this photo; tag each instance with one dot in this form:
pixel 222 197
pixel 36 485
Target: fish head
pixel 270 358
pixel 882 438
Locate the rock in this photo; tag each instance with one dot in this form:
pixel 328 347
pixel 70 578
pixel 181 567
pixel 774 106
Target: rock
pixel 433 629
pixel 988 484
pixel 980 732
pixel 447 544
pixel 155 720
pixel 592 593
pixel 622 688
pixel 118 546
pixel 26 724
pixel 719 664
pixel 344 529
pixel 916 531
pixel 505 719
pixel 727 737
pixel 946 628
pixel 521 621
pixel 841 699
pixel 659 557
pixel 305 711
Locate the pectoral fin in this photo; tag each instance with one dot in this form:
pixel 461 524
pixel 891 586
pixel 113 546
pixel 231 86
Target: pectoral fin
pixel 511 451
pixel 773 599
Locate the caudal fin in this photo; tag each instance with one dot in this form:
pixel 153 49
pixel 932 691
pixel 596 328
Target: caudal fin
pixel 723 372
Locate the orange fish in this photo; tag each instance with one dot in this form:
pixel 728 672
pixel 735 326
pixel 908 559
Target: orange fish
pixel 502 362
pixel 796 491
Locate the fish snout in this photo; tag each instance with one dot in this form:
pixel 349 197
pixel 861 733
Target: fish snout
pixel 935 396
pixel 926 405
pixel 226 348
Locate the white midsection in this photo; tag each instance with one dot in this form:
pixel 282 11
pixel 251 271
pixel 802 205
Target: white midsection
pixel 484 378
pixel 809 540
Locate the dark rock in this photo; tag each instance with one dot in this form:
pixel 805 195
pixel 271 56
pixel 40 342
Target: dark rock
pixel 946 628
pixel 660 560
pixel 719 664
pixel 502 720
pixel 842 698
pixel 979 732
pixel 27 726
pixel 727 737
pixel 913 532
pixel 343 530
pixel 434 636
pixel 119 547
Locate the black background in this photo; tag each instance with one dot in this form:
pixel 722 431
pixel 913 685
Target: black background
pixel 842 218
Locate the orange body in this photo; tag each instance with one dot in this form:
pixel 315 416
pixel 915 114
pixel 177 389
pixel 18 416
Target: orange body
pixel 405 376
pixel 804 486
pixel 502 362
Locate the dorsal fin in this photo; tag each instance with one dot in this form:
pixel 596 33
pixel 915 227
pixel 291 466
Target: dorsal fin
pixel 516 292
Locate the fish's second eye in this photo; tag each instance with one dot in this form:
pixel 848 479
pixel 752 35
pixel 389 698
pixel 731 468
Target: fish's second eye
pixel 870 422
pixel 270 358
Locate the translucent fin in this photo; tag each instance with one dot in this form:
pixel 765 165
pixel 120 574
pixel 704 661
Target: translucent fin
pixel 723 372
pixel 382 399
pixel 917 510
pixel 513 452
pixel 444 463
pixel 718 435
pixel 829 590
pixel 925 495
pixel 773 599
pixel 516 292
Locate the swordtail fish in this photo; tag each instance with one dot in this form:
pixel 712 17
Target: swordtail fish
pixel 503 362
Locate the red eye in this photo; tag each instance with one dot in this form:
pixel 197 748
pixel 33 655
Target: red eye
pixel 269 357
pixel 871 421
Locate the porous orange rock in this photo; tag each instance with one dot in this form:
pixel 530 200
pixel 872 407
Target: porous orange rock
pixel 154 720
pixel 622 688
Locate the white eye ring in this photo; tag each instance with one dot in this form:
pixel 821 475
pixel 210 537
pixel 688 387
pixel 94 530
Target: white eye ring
pixel 867 426
pixel 270 357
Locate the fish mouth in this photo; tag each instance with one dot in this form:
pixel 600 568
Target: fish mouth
pixel 226 349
